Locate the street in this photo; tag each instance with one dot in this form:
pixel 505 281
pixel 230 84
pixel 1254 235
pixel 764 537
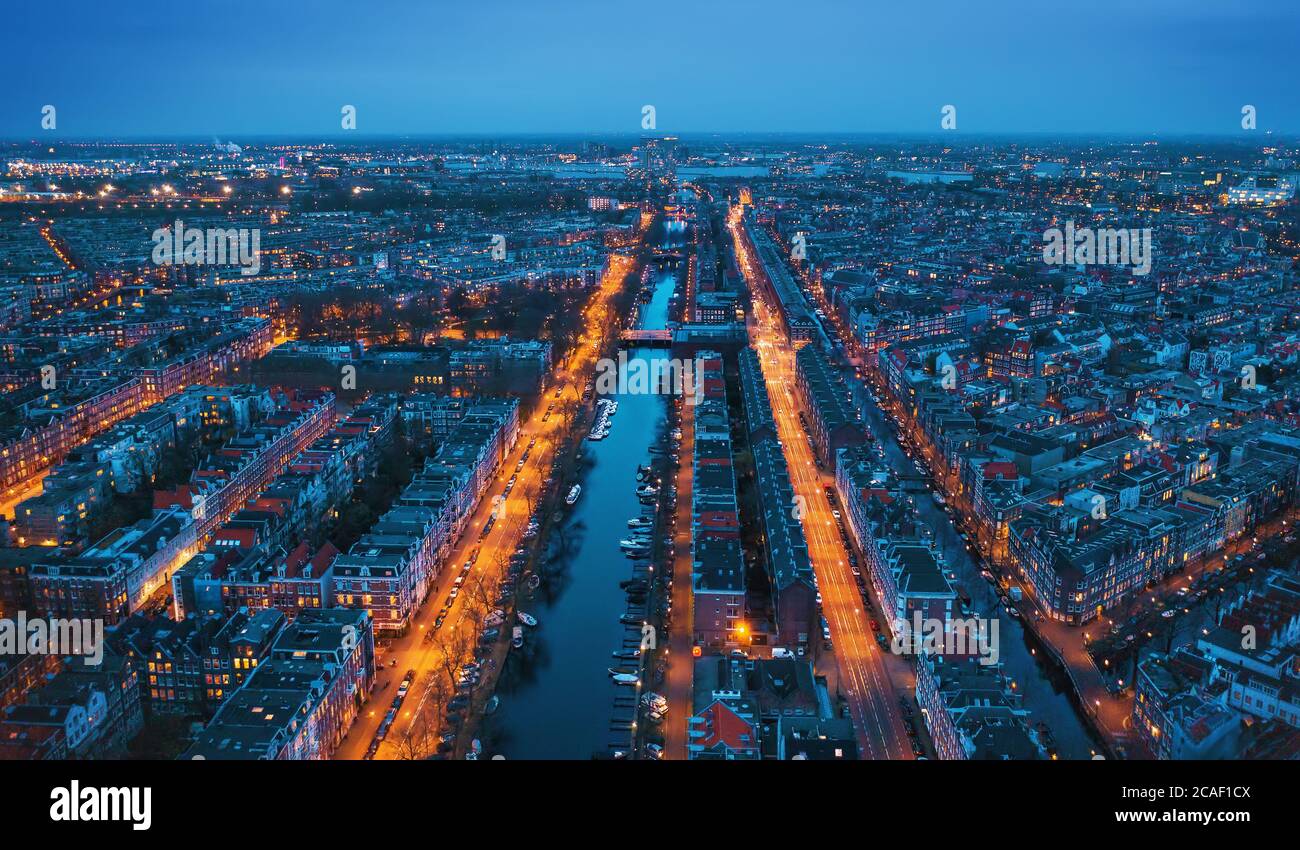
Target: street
pixel 865 680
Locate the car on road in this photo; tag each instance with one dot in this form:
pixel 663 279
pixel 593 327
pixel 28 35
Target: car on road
pixel 654 751
pixel 875 625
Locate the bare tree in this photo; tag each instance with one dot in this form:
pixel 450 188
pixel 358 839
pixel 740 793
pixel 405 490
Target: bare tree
pixel 478 599
pixel 453 647
pixel 420 739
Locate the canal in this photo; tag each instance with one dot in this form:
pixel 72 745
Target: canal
pixel 557 700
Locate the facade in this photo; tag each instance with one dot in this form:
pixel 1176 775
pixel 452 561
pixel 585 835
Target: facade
pixel 831 419
pixel 84 712
pixel 299 703
pixel 390 570
pixel 117 574
pixel 972 712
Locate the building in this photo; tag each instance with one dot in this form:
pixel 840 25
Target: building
pixel 972 712
pixel 86 711
pixel 390 570
pixel 830 418
pixel 300 702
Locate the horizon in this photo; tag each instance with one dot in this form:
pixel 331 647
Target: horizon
pixel 359 138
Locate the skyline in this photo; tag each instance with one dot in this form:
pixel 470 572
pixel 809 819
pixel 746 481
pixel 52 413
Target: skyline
pixel 515 70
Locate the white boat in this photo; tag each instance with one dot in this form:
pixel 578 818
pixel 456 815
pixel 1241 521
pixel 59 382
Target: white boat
pixel 517 637
pixel 938 498
pixel 626 679
pixel 633 543
pixel 527 619
pixel 574 492
pixel 647 490
pixel 492 704
pixel 640 522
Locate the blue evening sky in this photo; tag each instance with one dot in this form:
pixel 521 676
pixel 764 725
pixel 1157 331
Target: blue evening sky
pixel 240 69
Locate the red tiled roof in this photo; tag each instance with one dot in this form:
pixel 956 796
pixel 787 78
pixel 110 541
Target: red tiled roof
pixel 324 558
pixel 724 726
pixel 1000 469
pixel 295 559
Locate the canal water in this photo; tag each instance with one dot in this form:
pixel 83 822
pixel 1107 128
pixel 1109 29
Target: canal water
pixel 557 699
pixel 1044 689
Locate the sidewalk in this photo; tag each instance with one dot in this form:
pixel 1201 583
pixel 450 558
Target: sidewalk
pixel 681 663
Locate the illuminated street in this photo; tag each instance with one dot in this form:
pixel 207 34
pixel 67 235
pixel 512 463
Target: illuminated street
pixel 871 691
